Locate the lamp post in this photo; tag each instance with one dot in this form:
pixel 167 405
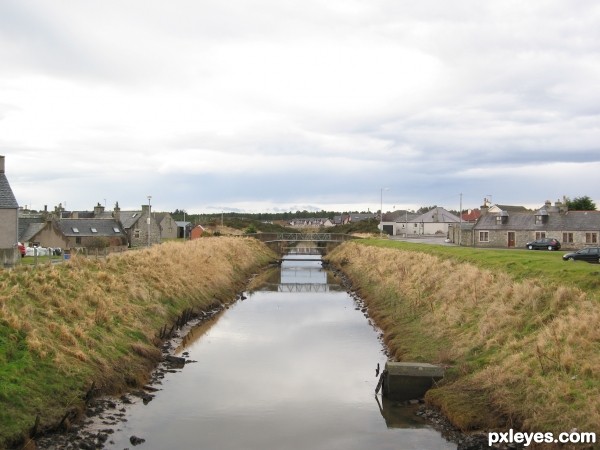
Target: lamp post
pixel 184 225
pixel 381 212
pixel 148 219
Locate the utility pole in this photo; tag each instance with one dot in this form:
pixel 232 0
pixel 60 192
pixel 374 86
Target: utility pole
pixel 148 219
pixel 460 217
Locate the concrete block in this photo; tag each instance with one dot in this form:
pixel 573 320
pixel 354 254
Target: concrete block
pixel 409 380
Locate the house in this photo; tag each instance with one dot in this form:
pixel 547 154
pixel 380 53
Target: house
pixel 169 228
pixel 184 229
pixel 471 215
pixel 341 219
pixel 356 217
pixel 9 220
pixel 140 227
pixel 197 232
pixel 502 228
pixel 436 221
pixel 90 233
pixel 313 222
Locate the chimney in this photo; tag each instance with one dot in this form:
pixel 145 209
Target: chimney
pixel 98 209
pixel 117 212
pixel 1 164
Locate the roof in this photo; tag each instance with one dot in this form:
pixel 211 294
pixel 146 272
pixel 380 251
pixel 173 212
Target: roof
pixel 89 227
pixel 29 230
pixel 355 217
pixel 7 198
pixel 569 221
pixel 436 215
pixel 129 218
pixel 508 208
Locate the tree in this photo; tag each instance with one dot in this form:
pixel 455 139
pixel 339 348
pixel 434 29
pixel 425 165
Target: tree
pixel 581 204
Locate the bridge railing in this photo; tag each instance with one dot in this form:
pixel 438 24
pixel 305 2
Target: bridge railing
pixel 297 237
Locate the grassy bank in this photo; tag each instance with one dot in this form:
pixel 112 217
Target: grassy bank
pixel 518 330
pixel 64 327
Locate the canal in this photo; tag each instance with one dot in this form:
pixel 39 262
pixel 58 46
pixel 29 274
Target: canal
pixel 293 366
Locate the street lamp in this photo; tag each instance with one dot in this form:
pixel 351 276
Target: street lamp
pixel 148 219
pixel 381 212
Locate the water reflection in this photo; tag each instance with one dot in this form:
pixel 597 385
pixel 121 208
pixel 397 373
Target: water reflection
pixel 281 370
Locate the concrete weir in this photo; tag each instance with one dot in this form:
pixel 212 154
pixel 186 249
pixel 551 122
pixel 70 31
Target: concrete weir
pixel 408 380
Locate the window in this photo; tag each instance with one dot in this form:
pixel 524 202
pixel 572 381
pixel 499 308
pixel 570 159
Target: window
pixel 116 230
pixel 93 230
pixel 136 234
pixel 540 235
pixel 484 236
pixel 538 220
pixel 591 238
pixel 75 230
pixel 498 219
pixel 78 240
pixel 567 238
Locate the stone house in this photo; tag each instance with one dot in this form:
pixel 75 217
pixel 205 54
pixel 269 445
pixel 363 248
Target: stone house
pixel 168 225
pixel 504 229
pixel 79 233
pixel 436 221
pixel 141 227
pixel 9 220
pixel 99 228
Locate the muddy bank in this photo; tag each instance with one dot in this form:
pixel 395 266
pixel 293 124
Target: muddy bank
pixel 104 414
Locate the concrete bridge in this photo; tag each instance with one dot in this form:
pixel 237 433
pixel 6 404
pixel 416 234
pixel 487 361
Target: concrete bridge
pixel 302 237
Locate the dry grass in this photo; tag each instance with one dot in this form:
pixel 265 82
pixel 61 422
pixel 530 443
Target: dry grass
pixel 97 320
pixel 532 349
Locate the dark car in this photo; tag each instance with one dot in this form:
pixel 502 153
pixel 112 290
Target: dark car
pixel 544 244
pixel 588 254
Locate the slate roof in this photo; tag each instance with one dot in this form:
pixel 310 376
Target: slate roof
pixel 569 221
pixel 7 198
pixel 436 215
pixel 103 227
pixel 28 229
pixel 129 218
pixel 512 208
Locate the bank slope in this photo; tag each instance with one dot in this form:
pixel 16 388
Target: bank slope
pixel 64 327
pixel 524 354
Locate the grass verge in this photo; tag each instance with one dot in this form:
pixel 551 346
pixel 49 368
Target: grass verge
pixel 64 327
pixel 518 330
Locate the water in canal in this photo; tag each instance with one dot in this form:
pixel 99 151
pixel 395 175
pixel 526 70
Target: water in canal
pixel 291 367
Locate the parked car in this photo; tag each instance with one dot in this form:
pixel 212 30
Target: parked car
pixel 588 254
pixel 544 244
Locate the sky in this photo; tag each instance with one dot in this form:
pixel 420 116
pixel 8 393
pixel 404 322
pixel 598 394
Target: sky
pixel 279 105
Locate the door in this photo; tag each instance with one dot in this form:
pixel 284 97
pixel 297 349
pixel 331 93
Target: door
pixel 511 238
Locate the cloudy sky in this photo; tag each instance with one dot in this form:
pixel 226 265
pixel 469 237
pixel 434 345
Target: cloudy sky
pixel 270 105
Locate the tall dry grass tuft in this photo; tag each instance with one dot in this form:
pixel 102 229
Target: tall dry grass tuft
pixel 532 348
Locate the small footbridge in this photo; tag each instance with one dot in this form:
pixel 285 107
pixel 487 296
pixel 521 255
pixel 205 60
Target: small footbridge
pixel 302 237
pixel 302 243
